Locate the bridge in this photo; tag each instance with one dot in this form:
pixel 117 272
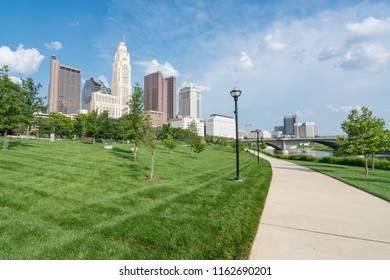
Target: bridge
pixel 282 144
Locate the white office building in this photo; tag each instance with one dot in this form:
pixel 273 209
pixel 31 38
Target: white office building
pixel 305 130
pixel 265 134
pixel 190 101
pixel 184 122
pixel 219 125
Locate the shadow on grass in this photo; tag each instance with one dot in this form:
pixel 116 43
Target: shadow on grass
pixel 14 144
pixel 122 153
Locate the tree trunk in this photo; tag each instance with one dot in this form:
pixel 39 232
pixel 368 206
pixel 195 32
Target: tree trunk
pixel 135 151
pixel 5 141
pixel 152 167
pixel 94 140
pixel 366 163
pixel 372 162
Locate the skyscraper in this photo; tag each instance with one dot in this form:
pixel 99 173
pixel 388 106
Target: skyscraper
pixel 121 79
pixel 153 89
pixel 289 124
pixel 169 100
pixel 190 101
pixel 91 86
pixel 64 88
pixel 160 95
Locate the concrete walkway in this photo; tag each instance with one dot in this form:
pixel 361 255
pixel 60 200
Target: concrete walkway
pixel 308 215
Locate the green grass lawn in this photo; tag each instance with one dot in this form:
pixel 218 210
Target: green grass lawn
pixel 73 200
pixel 376 183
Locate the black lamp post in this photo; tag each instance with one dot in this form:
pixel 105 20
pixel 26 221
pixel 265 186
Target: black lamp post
pixel 258 150
pixel 235 93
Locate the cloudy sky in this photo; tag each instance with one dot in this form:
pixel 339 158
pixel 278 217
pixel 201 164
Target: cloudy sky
pixel 316 59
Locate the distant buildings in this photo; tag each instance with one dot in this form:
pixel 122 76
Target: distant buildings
pixel 293 128
pixel 265 134
pixel 160 95
pixel 190 101
pixel 304 130
pixel 89 88
pixel 219 125
pixel 184 122
pixel 289 124
pixel 64 88
pixel 97 96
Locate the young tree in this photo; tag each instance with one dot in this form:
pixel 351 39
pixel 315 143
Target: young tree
pixel 93 124
pixel 79 125
pixel 192 135
pixel 169 143
pixel 17 102
pixel 198 146
pixel 137 118
pixel 150 139
pixel 365 134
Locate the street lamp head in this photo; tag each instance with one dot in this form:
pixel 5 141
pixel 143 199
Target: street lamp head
pixel 235 92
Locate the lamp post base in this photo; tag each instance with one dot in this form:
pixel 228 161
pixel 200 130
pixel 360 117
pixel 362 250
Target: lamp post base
pixel 237 179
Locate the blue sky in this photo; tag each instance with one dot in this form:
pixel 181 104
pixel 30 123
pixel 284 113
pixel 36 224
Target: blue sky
pixel 316 59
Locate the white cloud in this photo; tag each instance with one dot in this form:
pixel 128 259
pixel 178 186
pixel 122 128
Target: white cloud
pixel 24 61
pixel 152 66
pixel 104 80
pixel 273 42
pixel 369 57
pixel 361 50
pixel 245 63
pixel 343 109
pixel 16 80
pixel 369 26
pixel 54 46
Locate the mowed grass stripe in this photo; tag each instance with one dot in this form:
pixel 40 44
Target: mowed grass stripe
pixel 198 212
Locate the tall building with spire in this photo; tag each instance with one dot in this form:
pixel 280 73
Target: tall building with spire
pixel 121 80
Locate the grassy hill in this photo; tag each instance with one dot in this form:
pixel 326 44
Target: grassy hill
pixel 73 200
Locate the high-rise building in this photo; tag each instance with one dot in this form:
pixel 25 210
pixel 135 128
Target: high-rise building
pixel 153 92
pixel 90 87
pixel 160 95
pixel 289 124
pixel 169 98
pixel 64 88
pixel 189 101
pixel 121 80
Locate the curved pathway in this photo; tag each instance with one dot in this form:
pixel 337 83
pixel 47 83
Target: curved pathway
pixel 308 215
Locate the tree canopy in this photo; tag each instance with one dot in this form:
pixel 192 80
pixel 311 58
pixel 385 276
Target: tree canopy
pixel 366 135
pixel 18 102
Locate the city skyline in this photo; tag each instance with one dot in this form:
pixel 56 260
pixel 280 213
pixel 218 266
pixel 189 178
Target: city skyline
pixel 315 60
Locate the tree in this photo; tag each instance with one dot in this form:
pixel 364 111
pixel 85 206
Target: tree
pixel 79 125
pixel 138 120
pixel 198 146
pixel 17 102
pixel 150 139
pixel 365 135
pixel 94 122
pixel 169 143
pixel 192 135
pixel 62 125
